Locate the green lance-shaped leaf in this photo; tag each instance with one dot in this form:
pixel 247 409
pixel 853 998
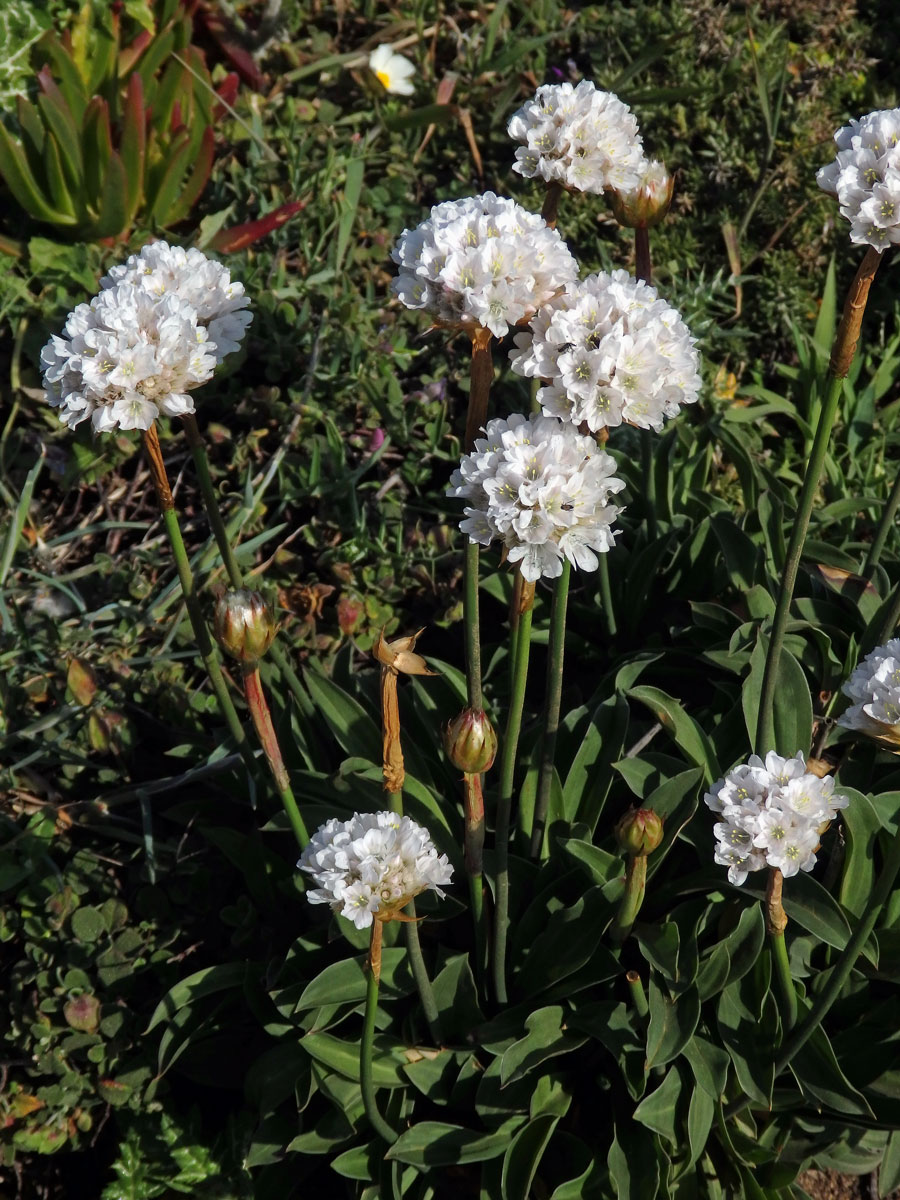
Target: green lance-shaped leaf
pixel 522 1159
pixel 344 982
pixel 673 1020
pixel 434 1144
pixel 661 1110
pixel 817 1071
pixel 632 1161
pixel 112 218
pixel 61 122
pixel 158 50
pixel 684 730
pixel 546 1037
pixel 202 983
pixel 21 182
pixel 861 825
pixel 96 140
pixel 387 1061
pixel 196 180
pixel 56 182
pixel 793 713
pixel 33 133
pixel 132 146
pixel 173 86
pixel 71 83
pixel 178 158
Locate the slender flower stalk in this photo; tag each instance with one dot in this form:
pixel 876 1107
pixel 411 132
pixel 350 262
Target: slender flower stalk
pixel 639 833
pixel 507 781
pixel 841 357
pixel 638 995
pixel 367 1086
pixel 776 924
pixel 265 731
pixel 885 525
pixel 192 604
pixel 555 659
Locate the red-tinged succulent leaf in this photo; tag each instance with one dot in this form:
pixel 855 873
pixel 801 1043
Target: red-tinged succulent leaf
pixel 11 247
pixel 112 219
pixel 177 162
pixel 32 131
pixel 229 241
pixel 227 92
pixel 55 179
pixel 71 82
pixel 196 180
pixel 96 141
pixel 132 145
pixel 156 55
pixel 172 87
pixel 61 122
pixel 129 55
pixel 18 177
pixel 227 42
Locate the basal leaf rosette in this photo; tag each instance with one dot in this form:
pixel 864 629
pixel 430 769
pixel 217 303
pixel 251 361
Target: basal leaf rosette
pixel 162 322
pixel 865 177
pixel 874 688
pixel 582 138
pixel 611 351
pixel 773 814
pixel 542 489
pixel 371 866
pixel 481 262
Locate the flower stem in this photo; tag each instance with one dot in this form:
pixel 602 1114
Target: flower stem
pixel 840 972
pixel 473 628
pixel 550 208
pixel 229 561
pixel 776 923
pixel 609 613
pixel 507 780
pixel 265 730
pixel 638 995
pixel 555 658
pixel 633 898
pixel 192 604
pixel 841 357
pixel 885 525
pixel 643 268
pixel 376 1120
pixel 474 848
pixel 481 376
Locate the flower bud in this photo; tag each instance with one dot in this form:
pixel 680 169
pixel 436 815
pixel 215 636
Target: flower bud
pixel 470 741
pixel 244 624
pixel 640 831
pixel 648 203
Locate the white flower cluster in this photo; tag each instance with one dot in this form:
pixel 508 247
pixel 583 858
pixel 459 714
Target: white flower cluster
pixel 158 328
pixel 481 261
pixel 373 863
pixel 773 813
pixel 611 351
pixel 542 488
pixel 579 137
pixel 874 688
pixel 865 177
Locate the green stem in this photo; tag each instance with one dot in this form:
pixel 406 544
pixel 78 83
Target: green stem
pixel 191 602
pixel 474 848
pixel 229 561
pixel 638 995
pixel 632 899
pixel 366 1082
pixel 891 620
pixel 649 474
pixel 776 923
pixel 555 658
pixel 885 525
pixel 609 613
pixel 841 358
pixel 262 723
pixel 473 629
pixel 841 971
pixel 507 780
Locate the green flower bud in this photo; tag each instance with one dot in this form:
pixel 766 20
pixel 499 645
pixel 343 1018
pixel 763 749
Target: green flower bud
pixel 244 624
pixel 470 741
pixel 648 203
pixel 639 832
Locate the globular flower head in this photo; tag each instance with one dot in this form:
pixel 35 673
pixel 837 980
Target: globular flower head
pixel 244 624
pixel 646 204
pixel 392 70
pixel 219 301
pixel 772 815
pixel 874 688
pixel 579 137
pixel 639 831
pixel 611 351
pixel 481 262
pixel 369 867
pixel 542 488
pixel 470 741
pixel 865 177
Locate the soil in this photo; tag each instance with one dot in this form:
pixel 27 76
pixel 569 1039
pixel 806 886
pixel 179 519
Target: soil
pixel 830 1185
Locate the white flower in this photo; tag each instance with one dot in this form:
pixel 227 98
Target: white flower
pixel 579 137
pixel 481 261
pixel 773 813
pixel 542 488
pixel 875 689
pixel 164 270
pixel 611 351
pixel 375 863
pixel 125 358
pixel 865 177
pixel 392 70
